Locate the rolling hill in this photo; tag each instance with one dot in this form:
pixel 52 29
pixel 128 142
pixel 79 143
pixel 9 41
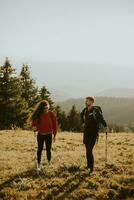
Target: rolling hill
pixel 117 92
pixel 62 93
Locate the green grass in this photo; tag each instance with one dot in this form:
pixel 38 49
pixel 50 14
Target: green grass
pixel 67 177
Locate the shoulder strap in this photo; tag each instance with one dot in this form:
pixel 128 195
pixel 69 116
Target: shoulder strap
pixel 94 112
pixel 82 114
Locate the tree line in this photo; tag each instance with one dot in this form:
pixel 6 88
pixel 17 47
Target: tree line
pixel 72 122
pixel 19 94
pixel 116 110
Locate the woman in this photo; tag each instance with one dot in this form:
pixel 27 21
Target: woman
pixel 44 121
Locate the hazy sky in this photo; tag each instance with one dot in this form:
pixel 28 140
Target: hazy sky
pixel 91 34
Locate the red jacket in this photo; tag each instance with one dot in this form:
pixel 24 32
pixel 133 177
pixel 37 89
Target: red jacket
pixel 47 123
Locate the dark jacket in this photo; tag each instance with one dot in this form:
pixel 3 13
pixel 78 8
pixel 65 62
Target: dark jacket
pixel 92 119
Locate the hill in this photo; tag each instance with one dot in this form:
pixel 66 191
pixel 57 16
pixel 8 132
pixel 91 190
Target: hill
pixel 75 92
pixel 117 92
pixel 67 177
pixel 69 92
pixel 59 95
pixel 116 110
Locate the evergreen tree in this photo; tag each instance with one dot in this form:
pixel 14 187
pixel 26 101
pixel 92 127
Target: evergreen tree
pixel 45 95
pixel 74 120
pixel 61 119
pixel 13 109
pixel 29 88
pixel 58 113
pixel 64 122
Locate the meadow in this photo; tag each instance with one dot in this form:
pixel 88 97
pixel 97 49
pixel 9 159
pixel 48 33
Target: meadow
pixel 67 177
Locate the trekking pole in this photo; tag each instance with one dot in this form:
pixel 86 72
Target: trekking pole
pixel 35 146
pixel 106 151
pixel 35 138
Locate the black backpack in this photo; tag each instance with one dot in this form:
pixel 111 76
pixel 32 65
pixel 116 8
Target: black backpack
pixel 97 111
pixel 97 115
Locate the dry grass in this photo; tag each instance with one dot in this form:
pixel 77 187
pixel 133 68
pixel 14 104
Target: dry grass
pixel 67 177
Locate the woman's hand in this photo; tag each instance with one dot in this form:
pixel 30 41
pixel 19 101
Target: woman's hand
pixel 34 128
pixel 54 138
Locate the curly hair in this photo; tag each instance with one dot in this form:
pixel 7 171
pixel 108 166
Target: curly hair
pixel 39 109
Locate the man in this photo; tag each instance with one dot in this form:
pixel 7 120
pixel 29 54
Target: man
pixel 92 118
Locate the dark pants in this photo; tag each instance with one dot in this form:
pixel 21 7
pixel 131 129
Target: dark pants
pixel 89 144
pixel 48 143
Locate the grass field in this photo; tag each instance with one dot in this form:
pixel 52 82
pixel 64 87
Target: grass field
pixel 66 177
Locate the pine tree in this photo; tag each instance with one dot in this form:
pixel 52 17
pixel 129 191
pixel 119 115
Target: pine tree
pixel 64 122
pixel 74 121
pixel 45 95
pixel 13 109
pixel 58 113
pixel 61 119
pixel 29 88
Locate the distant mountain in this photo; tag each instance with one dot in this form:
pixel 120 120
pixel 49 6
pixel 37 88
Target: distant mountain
pixel 58 95
pixel 117 92
pixel 62 94
pixel 69 92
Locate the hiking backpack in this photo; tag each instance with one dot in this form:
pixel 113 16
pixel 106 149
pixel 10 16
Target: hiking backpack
pixel 100 120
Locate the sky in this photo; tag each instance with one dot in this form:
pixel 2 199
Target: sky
pixel 75 46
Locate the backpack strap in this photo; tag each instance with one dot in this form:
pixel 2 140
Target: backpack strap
pixel 98 115
pixel 94 113
pixel 82 114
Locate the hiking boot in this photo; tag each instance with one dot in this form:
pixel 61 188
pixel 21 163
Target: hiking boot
pixel 38 167
pixel 90 171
